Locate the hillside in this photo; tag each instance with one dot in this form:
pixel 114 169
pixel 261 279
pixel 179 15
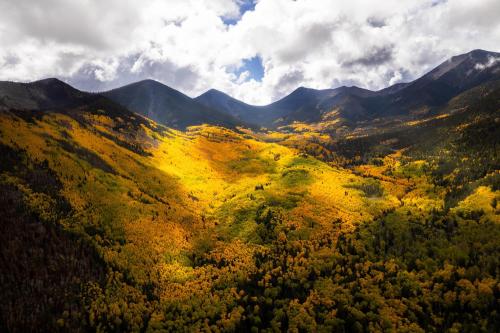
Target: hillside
pixel 141 199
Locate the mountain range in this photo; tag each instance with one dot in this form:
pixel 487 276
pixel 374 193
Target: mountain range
pixel 353 104
pixel 167 106
pixel 346 106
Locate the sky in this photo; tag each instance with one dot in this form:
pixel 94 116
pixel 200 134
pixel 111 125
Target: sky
pixel 254 50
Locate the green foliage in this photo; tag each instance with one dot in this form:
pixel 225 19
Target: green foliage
pixel 270 221
pixel 203 244
pixel 251 163
pixel 296 177
pixel 303 161
pixel 370 187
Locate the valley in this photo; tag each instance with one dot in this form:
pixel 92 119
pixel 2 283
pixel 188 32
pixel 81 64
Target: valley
pixel 339 210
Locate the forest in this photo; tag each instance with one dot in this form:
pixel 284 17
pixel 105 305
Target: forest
pixel 112 222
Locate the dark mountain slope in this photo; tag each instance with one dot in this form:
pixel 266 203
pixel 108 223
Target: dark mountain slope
pixel 437 87
pixel 41 95
pixel 167 106
pixel 45 269
pixel 309 105
pixel 429 134
pixel 303 104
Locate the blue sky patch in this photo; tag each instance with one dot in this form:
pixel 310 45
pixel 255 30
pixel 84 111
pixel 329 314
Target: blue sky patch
pixel 254 66
pixel 245 6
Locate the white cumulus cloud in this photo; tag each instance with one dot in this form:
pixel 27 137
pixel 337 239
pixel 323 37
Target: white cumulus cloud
pixel 189 45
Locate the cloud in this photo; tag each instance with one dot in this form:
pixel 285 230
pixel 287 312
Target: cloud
pixel 490 63
pixel 190 45
pixel 374 57
pixel 375 22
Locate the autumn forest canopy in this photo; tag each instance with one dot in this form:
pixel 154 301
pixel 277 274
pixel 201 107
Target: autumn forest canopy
pixel 141 209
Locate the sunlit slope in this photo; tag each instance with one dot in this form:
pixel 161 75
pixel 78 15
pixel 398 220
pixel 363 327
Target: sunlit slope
pixel 142 195
pixel 141 190
pixel 231 175
pixel 114 192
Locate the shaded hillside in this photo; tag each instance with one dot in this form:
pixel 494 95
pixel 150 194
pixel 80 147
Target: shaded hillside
pixel 45 269
pixel 313 106
pixel 480 105
pixel 167 106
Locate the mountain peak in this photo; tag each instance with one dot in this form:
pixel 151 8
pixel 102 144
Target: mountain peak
pixel 477 55
pixel 50 93
pixel 48 80
pixel 302 89
pixel 149 83
pixel 147 86
pixel 214 92
pixel 51 81
pixel 480 52
pixel 462 66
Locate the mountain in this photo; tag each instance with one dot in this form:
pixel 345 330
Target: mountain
pixel 40 98
pixel 310 105
pixel 39 95
pixel 440 85
pixel 167 106
pixel 149 98
pixel 353 104
pixel 303 104
pixel 220 101
pixel 348 106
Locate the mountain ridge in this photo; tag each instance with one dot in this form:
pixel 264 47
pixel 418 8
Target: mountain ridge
pixel 349 105
pixel 166 105
pixel 433 89
pixel 42 94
